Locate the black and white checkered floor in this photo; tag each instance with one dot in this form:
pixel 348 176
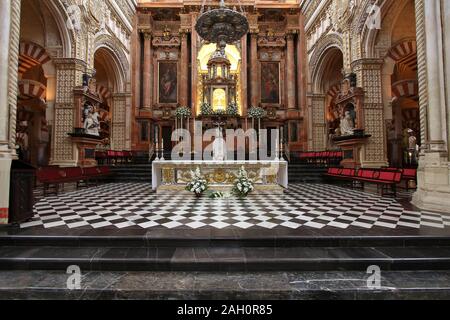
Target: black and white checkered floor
pixel 124 205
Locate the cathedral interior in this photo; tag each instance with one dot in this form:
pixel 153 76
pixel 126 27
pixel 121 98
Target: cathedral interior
pixel 349 96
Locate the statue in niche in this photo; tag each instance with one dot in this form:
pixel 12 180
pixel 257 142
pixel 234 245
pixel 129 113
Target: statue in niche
pixel 347 126
pixel 91 123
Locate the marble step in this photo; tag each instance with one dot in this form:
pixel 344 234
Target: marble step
pixel 232 238
pixel 350 285
pixel 224 258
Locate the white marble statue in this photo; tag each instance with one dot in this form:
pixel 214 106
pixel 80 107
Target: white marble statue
pixel 92 124
pixel 219 148
pixel 347 124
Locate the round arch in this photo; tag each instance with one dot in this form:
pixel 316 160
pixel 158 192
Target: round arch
pixel 117 59
pixel 68 37
pixel 319 58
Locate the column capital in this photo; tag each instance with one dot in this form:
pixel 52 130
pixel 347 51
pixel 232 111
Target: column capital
pixel 184 32
pixel 147 35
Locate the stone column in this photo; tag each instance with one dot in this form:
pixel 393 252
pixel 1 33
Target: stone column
pixel 147 73
pixel 290 72
pixel 9 48
pixel 5 27
pixel 254 72
pixel 5 153
pixel 118 125
pixel 184 70
pixel 435 75
pixel 69 74
pixel 433 192
pixel 317 129
pixel 369 77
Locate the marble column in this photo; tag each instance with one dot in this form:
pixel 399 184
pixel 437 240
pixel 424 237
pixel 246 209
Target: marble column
pixel 433 192
pixel 9 47
pixel 290 72
pixel 436 77
pixel 147 73
pixel 254 83
pixel 184 70
pixel 5 154
pixel 5 27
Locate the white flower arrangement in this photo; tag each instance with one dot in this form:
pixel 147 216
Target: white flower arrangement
pixel 232 109
pixel 256 112
pixel 198 184
pixel 182 112
pixel 242 185
pixel 206 109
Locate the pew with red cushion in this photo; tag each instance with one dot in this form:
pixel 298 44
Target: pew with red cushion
pixel 387 179
pixel 54 177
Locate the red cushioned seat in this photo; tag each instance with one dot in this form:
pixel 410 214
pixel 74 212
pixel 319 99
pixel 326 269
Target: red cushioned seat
pixel 91 172
pixel 348 172
pixel 104 170
pixel 368 174
pixel 408 173
pixel 49 174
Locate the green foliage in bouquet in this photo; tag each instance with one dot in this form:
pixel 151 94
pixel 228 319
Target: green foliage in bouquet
pixel 256 113
pixel 206 109
pixel 233 110
pixel 182 112
pixel 242 185
pixel 198 183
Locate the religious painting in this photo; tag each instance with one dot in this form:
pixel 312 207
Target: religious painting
pixel 168 82
pixel 270 82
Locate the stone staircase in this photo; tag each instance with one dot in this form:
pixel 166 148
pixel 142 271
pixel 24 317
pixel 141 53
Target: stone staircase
pixel 305 173
pixel 131 173
pixel 216 251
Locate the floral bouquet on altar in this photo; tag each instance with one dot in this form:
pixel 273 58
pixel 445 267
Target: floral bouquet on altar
pixel 256 113
pixel 242 185
pixel 182 112
pixel 198 184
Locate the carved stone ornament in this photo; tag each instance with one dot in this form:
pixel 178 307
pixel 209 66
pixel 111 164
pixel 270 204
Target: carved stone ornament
pixel 271 41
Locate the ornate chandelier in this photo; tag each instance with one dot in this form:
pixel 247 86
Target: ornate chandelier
pixel 222 26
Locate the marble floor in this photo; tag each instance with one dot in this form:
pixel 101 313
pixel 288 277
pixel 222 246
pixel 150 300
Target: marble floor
pixel 315 206
pixel 225 286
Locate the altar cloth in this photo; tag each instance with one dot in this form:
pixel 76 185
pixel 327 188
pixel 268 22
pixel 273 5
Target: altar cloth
pixel 267 175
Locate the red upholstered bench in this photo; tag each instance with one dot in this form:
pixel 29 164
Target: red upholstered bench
pixel 386 179
pixel 52 178
pixel 409 175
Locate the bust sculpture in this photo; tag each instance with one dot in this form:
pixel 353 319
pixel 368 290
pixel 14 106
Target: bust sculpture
pixel 347 126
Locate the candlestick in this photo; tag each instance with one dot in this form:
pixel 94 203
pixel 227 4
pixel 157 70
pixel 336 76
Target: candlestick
pixel 156 151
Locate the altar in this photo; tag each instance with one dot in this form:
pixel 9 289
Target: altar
pixel 173 176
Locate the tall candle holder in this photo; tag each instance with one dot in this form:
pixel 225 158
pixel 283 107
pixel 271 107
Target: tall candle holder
pixel 157 151
pixel 162 151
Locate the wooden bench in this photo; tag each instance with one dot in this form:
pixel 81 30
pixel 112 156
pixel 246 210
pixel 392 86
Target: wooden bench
pixel 386 179
pixel 409 175
pixel 322 157
pixel 53 178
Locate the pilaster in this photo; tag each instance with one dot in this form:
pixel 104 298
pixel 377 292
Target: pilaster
pixel 369 77
pixel 69 74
